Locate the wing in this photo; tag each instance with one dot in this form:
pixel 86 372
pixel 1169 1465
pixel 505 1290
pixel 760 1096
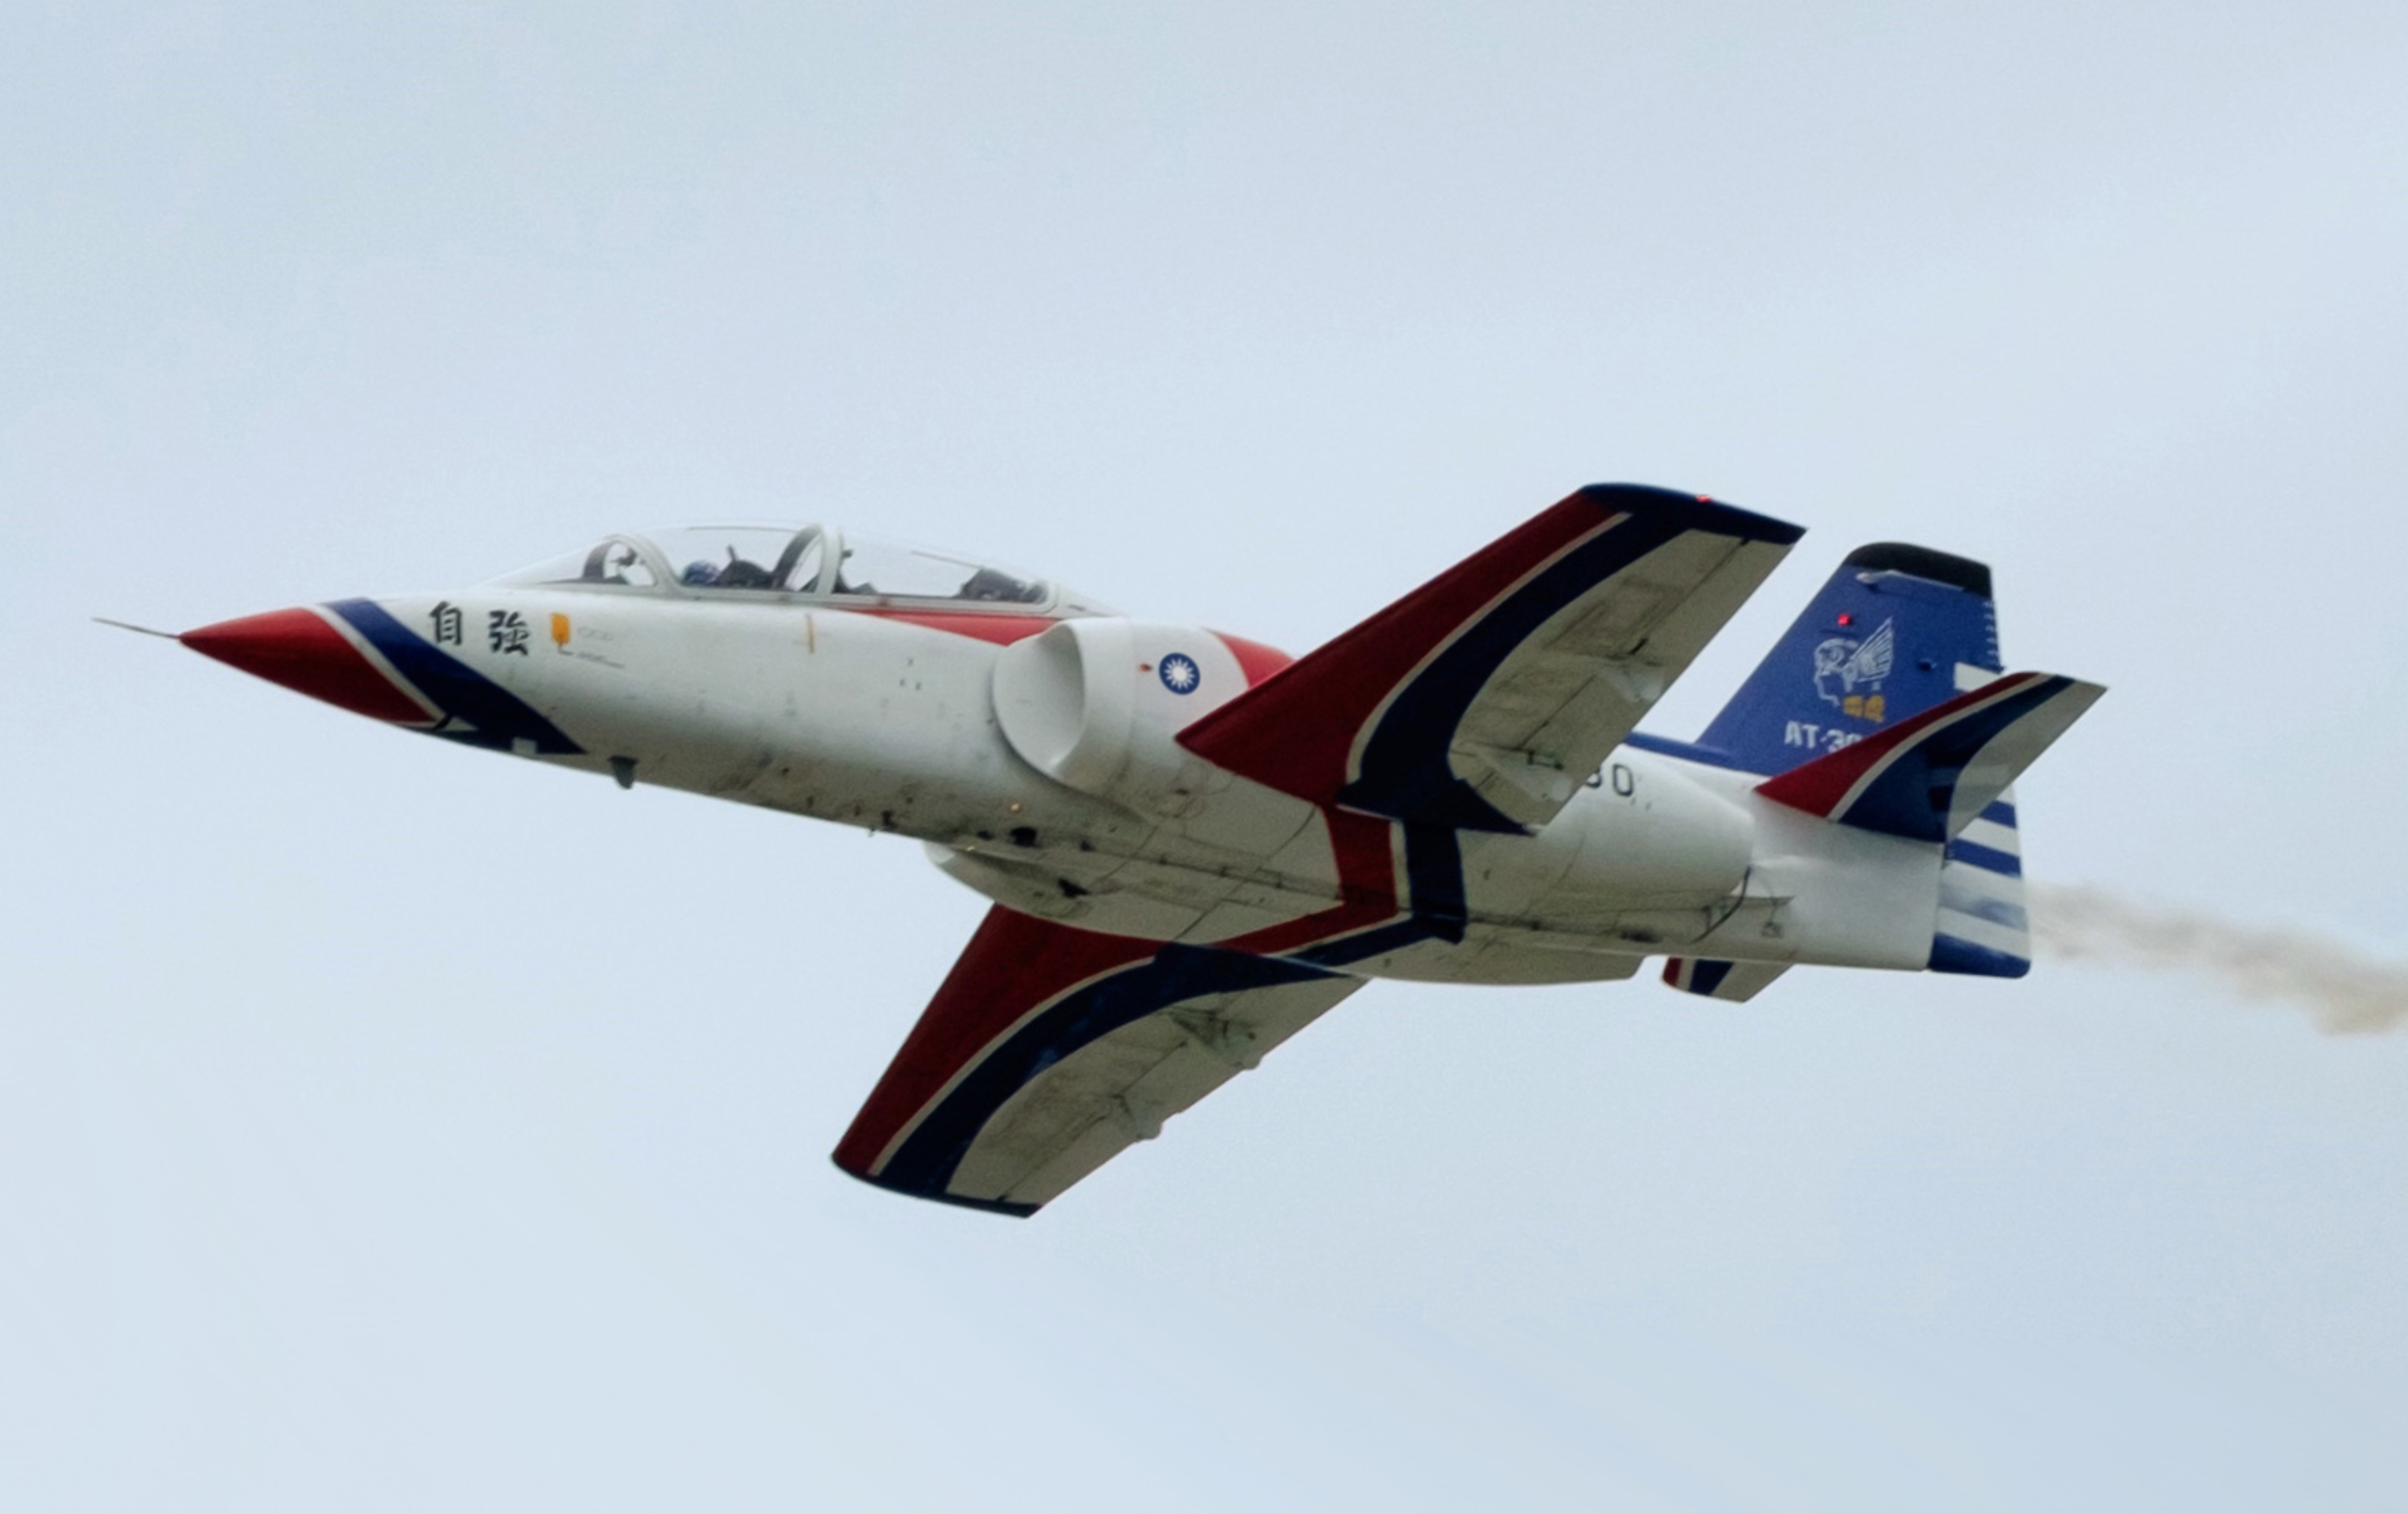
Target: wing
pixel 1049 1050
pixel 1485 696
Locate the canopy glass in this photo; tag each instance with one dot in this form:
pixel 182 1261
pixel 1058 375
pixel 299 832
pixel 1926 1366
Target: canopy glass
pixel 781 561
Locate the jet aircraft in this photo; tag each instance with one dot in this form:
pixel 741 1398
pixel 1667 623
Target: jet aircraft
pixel 1196 845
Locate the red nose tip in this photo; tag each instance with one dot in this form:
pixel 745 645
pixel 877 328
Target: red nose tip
pixel 298 649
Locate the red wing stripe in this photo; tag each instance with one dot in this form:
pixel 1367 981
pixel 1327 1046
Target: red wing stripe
pixel 1319 720
pixel 1368 720
pixel 1013 967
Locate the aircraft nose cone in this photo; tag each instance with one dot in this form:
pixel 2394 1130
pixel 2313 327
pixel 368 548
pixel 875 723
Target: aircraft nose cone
pixel 302 651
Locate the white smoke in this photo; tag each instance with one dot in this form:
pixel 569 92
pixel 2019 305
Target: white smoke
pixel 2344 991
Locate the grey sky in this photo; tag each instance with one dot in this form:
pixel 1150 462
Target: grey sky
pixel 386 1126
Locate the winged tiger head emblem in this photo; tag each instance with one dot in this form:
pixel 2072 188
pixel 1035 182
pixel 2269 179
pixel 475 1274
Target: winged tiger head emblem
pixel 1848 673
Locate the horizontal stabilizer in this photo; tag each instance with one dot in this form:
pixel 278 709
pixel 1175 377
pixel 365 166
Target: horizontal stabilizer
pixel 1927 778
pixel 1731 982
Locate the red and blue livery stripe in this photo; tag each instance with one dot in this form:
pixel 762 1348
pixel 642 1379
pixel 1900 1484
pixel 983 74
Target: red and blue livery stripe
pixel 1028 993
pixel 1366 720
pixel 944 1099
pixel 476 711
pixel 354 655
pixel 1902 781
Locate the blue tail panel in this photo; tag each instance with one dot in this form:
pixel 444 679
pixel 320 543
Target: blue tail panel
pixel 1881 642
pixel 1951 955
pixel 1980 928
pixel 1898 631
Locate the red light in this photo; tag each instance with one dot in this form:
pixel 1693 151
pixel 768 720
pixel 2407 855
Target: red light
pixel 1847 619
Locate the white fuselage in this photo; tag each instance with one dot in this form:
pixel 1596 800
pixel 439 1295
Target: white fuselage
pixel 1038 760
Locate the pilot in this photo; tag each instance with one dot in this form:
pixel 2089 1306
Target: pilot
pixel 743 573
pixel 609 563
pixel 987 584
pixel 701 572
pixel 844 587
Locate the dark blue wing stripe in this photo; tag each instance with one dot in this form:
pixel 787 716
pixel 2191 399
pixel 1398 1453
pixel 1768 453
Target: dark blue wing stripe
pixel 1404 771
pixel 928 1157
pixel 1434 870
pixel 1405 774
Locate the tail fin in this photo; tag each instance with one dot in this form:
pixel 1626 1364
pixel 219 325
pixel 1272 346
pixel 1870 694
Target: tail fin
pixel 1881 643
pixel 1898 632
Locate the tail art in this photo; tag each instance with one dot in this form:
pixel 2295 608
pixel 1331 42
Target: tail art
pixel 1881 643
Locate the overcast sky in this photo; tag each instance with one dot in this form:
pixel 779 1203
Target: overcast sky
pixel 390 1126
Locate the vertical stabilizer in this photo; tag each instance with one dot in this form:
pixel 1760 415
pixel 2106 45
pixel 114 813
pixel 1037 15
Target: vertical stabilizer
pixel 1879 644
pixel 1898 631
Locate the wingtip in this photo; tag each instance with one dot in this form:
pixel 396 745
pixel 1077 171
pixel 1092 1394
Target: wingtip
pixel 956 1201
pixel 1701 512
pixel 2081 689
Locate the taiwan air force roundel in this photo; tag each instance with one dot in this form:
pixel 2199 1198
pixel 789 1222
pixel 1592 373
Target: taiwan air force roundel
pixel 1179 674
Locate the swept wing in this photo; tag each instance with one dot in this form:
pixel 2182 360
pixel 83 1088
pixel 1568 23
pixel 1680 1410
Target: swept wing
pixel 1484 699
pixel 1049 1050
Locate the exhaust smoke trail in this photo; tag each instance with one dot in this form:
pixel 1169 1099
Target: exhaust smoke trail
pixel 2344 991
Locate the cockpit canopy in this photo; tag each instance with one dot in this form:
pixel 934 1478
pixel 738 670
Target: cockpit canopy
pixel 773 562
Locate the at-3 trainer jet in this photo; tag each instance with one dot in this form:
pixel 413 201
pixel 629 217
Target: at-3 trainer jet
pixel 1196 845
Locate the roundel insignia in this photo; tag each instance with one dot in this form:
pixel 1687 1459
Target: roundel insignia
pixel 1179 674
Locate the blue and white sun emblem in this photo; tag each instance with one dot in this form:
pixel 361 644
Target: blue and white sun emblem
pixel 1179 674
